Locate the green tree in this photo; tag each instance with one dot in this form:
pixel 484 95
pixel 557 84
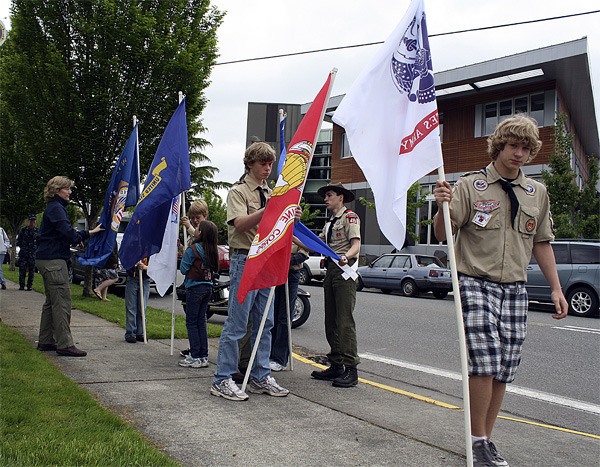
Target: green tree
pixel 217 213
pixel 588 223
pixel 307 214
pixel 77 71
pixel 560 181
pixel 414 201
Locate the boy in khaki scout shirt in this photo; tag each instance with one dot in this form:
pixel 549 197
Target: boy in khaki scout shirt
pixel 246 203
pixel 500 218
pixel 342 234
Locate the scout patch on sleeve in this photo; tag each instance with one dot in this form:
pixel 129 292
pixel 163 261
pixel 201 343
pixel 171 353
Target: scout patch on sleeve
pixel 530 189
pixel 530 225
pixel 486 205
pixel 480 184
pixel 352 217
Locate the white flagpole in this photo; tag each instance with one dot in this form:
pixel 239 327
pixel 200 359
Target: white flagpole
pixel 460 324
pixel 258 335
pixel 289 323
pixel 174 292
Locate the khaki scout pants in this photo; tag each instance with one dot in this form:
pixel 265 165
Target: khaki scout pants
pixel 340 330
pixel 55 324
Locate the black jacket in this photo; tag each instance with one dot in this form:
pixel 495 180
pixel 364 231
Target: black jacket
pixel 56 232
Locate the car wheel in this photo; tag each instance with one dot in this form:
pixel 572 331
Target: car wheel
pixel 304 277
pixel 582 302
pixel 359 284
pixel 409 288
pixel 169 290
pixel 301 311
pixel 441 294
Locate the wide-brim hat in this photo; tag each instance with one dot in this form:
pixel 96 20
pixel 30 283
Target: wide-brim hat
pixel 339 189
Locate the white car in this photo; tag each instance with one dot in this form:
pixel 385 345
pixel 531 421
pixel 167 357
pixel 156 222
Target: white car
pixel 313 269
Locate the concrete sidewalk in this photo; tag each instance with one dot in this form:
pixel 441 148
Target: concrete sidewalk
pixel 315 425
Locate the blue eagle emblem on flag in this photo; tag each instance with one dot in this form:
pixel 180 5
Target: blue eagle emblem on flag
pixel 411 67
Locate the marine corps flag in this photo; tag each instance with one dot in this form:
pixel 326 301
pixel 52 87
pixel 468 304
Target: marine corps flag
pixel 169 175
pixel 391 120
pixel 269 257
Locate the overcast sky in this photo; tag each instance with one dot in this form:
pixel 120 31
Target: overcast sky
pixel 255 28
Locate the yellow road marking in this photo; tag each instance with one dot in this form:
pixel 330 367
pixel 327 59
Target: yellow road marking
pixel 429 400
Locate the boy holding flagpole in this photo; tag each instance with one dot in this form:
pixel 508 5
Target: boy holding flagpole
pixel 246 203
pixel 500 218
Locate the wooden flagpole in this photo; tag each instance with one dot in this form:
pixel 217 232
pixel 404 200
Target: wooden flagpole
pixel 460 324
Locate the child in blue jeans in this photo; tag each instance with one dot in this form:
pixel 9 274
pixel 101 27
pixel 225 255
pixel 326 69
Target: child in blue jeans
pixel 199 264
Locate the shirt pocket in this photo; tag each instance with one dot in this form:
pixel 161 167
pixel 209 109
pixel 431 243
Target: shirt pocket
pixel 492 222
pixel 253 206
pixel 528 220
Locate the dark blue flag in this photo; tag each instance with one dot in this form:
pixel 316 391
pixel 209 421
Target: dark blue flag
pixel 314 243
pixel 123 191
pixel 168 176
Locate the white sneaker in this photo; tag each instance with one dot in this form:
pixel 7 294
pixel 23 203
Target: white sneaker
pixel 191 362
pixel 276 366
pixel 228 390
pixel 267 386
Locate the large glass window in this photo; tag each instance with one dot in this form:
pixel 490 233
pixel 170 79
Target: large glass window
pixel 495 112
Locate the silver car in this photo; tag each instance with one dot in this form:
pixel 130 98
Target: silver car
pixel 578 265
pixel 410 273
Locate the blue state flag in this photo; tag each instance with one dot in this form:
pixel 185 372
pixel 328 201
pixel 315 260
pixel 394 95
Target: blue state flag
pixel 314 243
pixel 168 176
pixel 123 191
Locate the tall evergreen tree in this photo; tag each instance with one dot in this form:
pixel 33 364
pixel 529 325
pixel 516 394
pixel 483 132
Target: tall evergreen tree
pixel 76 72
pixel 589 215
pixel 560 181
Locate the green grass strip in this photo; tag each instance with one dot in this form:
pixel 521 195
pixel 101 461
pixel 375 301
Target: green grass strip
pixel 48 420
pixel 158 322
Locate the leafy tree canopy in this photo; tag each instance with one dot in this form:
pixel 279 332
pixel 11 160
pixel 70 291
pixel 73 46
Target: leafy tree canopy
pixel 73 75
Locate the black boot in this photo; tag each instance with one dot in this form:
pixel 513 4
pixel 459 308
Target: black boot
pixel 348 379
pixel 331 373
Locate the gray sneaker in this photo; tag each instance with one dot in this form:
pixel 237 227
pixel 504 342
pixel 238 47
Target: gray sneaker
pixel 482 456
pixel 267 386
pixel 228 390
pixel 497 458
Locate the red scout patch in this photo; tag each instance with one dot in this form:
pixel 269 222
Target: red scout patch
pixel 530 225
pixel 352 217
pixel 486 205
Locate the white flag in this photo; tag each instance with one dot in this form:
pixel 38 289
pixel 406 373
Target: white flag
pixel 162 266
pixel 391 120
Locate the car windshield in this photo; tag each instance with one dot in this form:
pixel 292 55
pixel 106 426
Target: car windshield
pixel 428 262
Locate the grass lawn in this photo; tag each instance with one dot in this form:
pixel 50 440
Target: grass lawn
pixel 158 322
pixel 47 419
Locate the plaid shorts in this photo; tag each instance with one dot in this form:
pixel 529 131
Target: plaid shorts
pixel 106 274
pixel 495 317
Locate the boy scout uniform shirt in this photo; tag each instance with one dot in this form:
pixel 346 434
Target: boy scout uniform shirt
pixel 243 199
pixel 345 228
pixel 487 245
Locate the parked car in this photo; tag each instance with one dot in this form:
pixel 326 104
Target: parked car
pixel 578 265
pixel 410 273
pixel 223 259
pixel 313 269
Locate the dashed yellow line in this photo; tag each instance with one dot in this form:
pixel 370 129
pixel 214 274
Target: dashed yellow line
pixel 429 400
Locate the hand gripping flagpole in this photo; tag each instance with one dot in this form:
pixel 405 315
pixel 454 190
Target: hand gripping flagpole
pixel 460 324
pixel 258 336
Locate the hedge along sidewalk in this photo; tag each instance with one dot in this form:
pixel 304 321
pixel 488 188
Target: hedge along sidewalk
pixel 158 322
pixel 47 419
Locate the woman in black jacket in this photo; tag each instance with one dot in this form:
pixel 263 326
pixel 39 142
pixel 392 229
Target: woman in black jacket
pixel 53 253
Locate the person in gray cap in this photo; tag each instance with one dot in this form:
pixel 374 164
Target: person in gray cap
pixel 342 234
pixel 27 243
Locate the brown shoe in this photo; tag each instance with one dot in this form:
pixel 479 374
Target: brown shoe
pixel 71 352
pixel 46 347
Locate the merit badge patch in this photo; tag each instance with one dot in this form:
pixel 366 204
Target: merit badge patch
pixel 530 189
pixel 352 217
pixel 481 218
pixel 480 184
pixel 530 225
pixel 486 205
